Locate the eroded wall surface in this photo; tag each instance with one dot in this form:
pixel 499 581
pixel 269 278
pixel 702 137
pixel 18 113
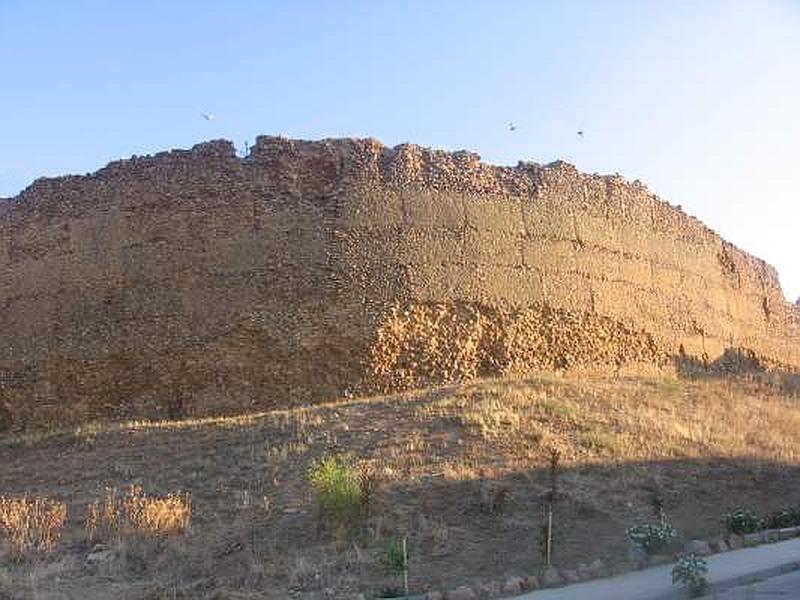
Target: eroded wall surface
pixel 198 281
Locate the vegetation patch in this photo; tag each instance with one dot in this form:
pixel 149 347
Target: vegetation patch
pixel 741 521
pixel 690 572
pixel 462 471
pixel 31 524
pixel 138 514
pixel 340 488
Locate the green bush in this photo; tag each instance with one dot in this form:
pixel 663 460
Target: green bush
pixel 690 571
pixel 742 520
pixel 787 517
pixel 337 484
pixel 653 538
pixel 393 557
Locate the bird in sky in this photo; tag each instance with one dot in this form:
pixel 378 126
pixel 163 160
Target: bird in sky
pixel 580 132
pixel 512 126
pixel 208 116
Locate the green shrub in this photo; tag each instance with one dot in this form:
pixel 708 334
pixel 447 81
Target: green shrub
pixel 393 557
pixel 690 571
pixel 338 488
pixel 787 517
pixel 653 538
pixel 742 520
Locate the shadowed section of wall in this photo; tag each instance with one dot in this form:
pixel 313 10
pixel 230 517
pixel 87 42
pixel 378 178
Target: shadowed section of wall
pixel 198 281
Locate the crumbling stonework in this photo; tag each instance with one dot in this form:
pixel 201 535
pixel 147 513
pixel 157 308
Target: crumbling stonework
pixel 420 345
pixel 198 281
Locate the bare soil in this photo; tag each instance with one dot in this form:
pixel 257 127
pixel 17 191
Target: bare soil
pixel 442 456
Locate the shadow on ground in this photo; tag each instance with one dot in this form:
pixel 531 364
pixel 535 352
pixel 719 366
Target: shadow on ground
pixel 239 548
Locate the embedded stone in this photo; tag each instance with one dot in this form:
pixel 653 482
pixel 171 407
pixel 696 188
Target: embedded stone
pixel 512 585
pixel 752 539
pixel 719 545
pixel 735 541
pixel 772 535
pixel 531 582
pixel 489 590
pixel 597 568
pixel 659 559
pixel 461 593
pixel 570 575
pixel 699 547
pixel 550 577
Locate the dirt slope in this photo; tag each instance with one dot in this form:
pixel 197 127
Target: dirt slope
pixel 705 446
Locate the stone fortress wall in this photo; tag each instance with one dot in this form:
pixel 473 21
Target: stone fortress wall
pixel 196 281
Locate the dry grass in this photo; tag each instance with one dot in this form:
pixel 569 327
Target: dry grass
pixel 32 525
pixel 137 514
pixel 300 420
pixel 593 420
pixel 103 516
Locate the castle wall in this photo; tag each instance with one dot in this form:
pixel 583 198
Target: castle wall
pixel 197 280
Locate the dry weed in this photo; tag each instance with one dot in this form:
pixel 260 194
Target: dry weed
pixel 138 514
pixel 32 525
pixel 103 516
pixel 304 573
pixel 368 484
pixel 491 419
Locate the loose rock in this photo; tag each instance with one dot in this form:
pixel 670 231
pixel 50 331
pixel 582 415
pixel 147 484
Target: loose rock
pixel 99 554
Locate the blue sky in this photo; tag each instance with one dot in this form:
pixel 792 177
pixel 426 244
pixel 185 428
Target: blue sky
pixel 698 99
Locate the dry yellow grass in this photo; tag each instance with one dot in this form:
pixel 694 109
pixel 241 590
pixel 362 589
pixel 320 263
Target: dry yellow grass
pixel 136 513
pixel 31 524
pixel 594 420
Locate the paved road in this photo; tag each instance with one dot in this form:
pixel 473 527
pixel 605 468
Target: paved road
pixel 727 570
pixel 782 587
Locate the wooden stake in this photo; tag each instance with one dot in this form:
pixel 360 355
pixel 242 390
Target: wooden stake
pixel 405 566
pixel 549 543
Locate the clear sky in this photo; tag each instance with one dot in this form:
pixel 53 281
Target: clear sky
pixel 699 99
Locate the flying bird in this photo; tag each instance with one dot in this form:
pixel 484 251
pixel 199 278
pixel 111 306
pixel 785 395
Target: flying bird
pixel 208 116
pixel 580 132
pixel 512 126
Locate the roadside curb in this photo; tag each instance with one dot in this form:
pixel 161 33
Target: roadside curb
pixel 730 576
pixel 721 586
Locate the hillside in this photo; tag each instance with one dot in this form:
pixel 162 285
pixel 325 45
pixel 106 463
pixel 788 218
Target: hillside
pixel 704 445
